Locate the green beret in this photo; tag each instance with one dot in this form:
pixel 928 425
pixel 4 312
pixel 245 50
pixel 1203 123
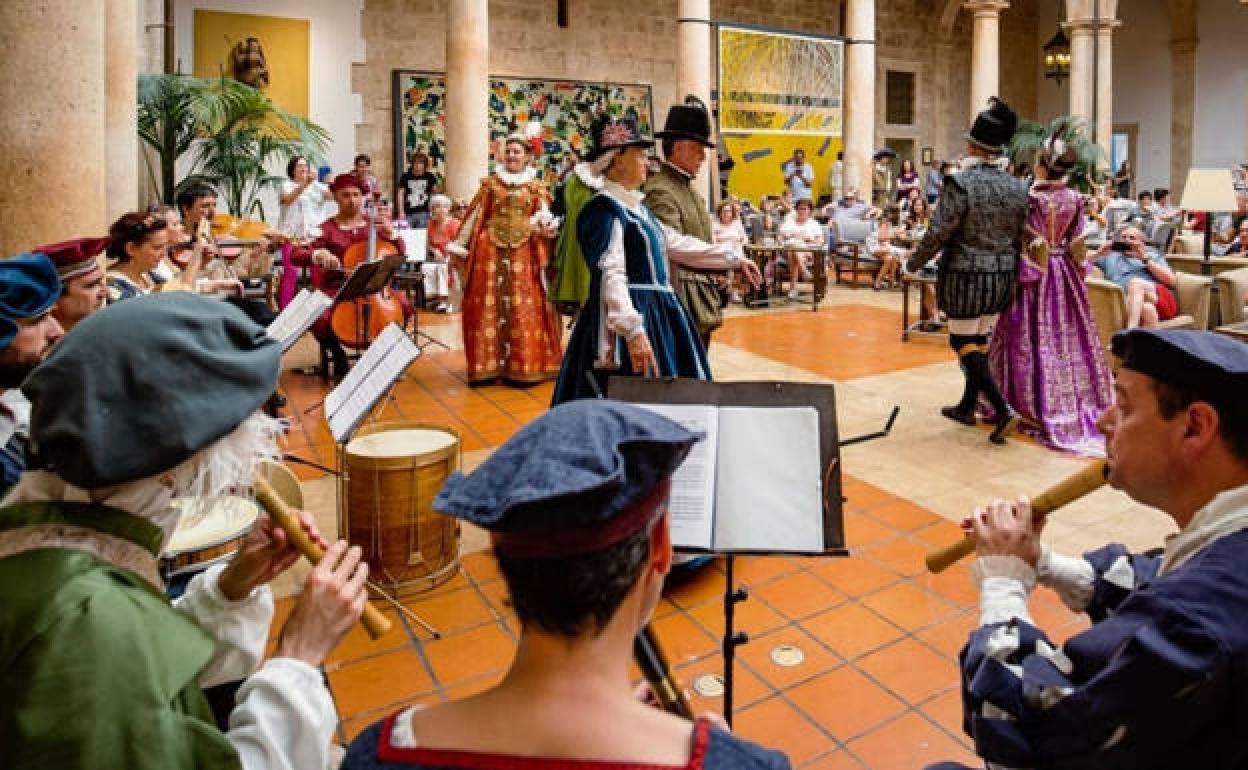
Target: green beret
pixel 142 385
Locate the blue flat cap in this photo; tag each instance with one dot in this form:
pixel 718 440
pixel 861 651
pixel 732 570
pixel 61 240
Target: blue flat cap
pixel 579 467
pixel 1213 365
pixel 142 385
pixel 28 287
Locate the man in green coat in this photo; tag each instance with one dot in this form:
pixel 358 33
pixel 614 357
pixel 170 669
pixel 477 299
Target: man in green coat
pixel 686 136
pixel 147 400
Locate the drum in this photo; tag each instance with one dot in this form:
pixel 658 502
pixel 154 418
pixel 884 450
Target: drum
pixel 212 536
pixel 393 472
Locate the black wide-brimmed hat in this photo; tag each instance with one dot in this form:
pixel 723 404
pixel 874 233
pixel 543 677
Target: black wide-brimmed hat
pixel 994 127
pixel 611 133
pixel 690 120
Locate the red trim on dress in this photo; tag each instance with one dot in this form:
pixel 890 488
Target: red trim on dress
pixel 473 760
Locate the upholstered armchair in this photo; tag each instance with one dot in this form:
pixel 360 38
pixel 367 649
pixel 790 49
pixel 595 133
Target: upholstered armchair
pixel 851 254
pixel 1109 304
pixel 1232 294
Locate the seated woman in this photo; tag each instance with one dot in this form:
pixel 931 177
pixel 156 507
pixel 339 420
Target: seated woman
pixel 727 230
pixel 138 243
pixel 583 540
pixel 881 245
pixel 801 230
pixel 325 253
pixel 442 229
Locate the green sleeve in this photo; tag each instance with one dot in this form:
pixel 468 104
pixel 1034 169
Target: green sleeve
pixel 109 681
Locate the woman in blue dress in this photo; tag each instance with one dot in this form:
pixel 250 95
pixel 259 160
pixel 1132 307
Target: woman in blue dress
pixel 632 323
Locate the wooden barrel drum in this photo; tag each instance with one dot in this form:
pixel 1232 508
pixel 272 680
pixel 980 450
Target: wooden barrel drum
pixel 393 472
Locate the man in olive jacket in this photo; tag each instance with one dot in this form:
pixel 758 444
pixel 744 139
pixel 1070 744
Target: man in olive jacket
pixel 670 194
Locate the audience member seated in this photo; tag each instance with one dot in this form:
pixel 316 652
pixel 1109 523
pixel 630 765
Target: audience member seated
pixel 29 287
pixel 1158 680
pixel 138 242
pixel 1143 275
pixel 83 287
pixel 442 229
pixel 881 245
pixel 801 230
pixel 727 230
pixel 851 207
pixel 1161 205
pixel 362 168
pixel 100 670
pixel 576 504
pixel 1095 228
pixel 1239 246
pixel 918 218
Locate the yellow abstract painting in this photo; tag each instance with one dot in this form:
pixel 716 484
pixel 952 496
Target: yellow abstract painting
pixel 285 43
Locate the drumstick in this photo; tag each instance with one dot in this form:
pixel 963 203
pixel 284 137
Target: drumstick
pixel 1087 479
pixel 374 621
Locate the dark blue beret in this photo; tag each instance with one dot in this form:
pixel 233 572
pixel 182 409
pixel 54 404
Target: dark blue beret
pixel 578 466
pixel 28 287
pixel 142 385
pixel 1215 366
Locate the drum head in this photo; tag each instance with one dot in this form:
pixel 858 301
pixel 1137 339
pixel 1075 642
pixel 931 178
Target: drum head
pixel 405 442
pixel 224 519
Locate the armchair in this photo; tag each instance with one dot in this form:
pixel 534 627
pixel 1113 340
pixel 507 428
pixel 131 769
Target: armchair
pixel 1109 305
pixel 851 253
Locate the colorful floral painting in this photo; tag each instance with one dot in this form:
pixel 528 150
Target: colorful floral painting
pixel 559 110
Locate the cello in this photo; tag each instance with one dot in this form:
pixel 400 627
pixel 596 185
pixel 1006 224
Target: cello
pixel 358 322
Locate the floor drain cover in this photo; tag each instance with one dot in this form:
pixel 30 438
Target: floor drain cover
pixel 787 655
pixel 709 686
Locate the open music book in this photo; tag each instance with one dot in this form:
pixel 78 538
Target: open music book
pixel 383 362
pixel 298 316
pixel 753 484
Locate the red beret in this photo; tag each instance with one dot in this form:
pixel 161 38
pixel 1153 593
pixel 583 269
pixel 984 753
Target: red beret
pixel 342 181
pixel 76 257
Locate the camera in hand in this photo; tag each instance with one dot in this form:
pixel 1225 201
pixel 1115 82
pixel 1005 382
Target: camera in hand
pixel 1120 246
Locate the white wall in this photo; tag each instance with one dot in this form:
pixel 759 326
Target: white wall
pixel 335 43
pixel 1221 131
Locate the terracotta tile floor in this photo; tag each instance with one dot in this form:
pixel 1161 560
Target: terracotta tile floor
pixel 877 686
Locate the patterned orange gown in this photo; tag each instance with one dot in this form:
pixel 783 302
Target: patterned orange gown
pixel 511 330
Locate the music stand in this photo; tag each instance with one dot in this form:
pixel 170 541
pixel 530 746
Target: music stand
pixel 757 394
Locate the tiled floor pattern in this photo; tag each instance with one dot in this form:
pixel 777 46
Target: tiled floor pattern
pixel 877 687
pixel 878 684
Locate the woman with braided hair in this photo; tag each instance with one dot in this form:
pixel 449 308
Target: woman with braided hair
pixel 1045 352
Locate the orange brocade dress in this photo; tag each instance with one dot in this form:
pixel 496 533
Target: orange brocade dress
pixel 510 328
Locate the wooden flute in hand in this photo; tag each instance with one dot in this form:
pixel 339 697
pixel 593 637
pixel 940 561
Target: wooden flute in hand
pixel 375 623
pixel 1087 479
pixel 654 667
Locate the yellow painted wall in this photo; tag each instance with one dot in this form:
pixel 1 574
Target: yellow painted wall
pixel 752 179
pixel 285 43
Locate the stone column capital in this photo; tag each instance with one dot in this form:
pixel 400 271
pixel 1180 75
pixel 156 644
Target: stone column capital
pixel 1090 26
pixel 985 7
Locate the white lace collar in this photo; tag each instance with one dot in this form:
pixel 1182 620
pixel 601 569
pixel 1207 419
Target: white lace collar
pixel 971 161
pixel 630 198
pixel 586 174
pixel 1225 514
pixel 512 180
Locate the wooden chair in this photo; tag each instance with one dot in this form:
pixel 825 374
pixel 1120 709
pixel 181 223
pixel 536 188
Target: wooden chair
pixel 1109 305
pixel 851 253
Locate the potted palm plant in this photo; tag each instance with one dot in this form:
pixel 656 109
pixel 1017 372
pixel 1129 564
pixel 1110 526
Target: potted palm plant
pixel 230 132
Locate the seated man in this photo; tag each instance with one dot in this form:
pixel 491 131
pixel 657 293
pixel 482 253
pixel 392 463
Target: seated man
pixel 1143 274
pixel 1239 246
pixel 197 204
pixel 577 506
pixel 1158 681
pixel 84 288
pixel 29 287
pixel 151 399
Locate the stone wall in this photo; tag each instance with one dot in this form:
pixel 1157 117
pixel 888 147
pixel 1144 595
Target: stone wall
pixel 636 42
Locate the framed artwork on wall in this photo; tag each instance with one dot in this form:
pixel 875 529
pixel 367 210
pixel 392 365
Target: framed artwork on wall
pixel 928 156
pixel 560 111
pixel 268 52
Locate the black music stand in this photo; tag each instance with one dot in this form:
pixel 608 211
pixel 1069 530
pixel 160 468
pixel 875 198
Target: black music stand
pixel 760 394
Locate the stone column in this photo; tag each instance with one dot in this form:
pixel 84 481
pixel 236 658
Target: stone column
pixel 1105 78
pixel 121 142
pixel 985 51
pixel 52 124
pixel 1183 43
pixel 1091 26
pixel 858 106
pixel 467 95
pixel 693 71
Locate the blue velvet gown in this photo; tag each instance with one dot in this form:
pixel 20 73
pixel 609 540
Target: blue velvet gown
pixel 677 349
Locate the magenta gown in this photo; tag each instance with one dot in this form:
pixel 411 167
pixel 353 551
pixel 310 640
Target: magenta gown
pixel 1045 351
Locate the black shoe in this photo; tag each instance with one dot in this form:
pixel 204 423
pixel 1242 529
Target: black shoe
pixel 1005 425
pixel 957 415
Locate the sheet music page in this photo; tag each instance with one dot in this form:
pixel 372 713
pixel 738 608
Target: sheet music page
pixel 769 489
pixel 396 352
pixel 692 502
pixel 298 317
pixel 368 361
